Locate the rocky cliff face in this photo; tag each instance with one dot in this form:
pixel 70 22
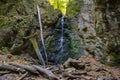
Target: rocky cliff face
pixel 107 26
pixel 91 43
pixel 97 28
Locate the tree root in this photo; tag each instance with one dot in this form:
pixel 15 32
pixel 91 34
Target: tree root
pixel 34 69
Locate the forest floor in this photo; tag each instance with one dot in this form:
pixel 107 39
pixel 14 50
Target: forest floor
pixel 13 67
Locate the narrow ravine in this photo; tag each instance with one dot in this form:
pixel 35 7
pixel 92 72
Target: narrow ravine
pixel 79 39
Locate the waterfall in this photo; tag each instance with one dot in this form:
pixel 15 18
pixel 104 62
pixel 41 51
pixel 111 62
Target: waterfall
pixel 61 40
pixel 62 33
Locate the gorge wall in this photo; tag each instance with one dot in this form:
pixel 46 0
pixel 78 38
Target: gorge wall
pixel 93 31
pixel 97 29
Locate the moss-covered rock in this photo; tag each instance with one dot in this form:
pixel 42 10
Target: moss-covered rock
pixel 18 19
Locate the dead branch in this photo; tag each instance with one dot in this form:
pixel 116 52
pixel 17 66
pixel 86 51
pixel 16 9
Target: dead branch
pixel 23 76
pixel 48 73
pixel 26 67
pixel 11 68
pixel 4 72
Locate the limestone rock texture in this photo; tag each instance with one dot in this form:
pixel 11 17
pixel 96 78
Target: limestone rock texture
pixel 85 31
pixel 107 26
pixel 97 29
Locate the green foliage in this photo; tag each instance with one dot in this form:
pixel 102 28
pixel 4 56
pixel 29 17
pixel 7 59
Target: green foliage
pixel 73 7
pixel 34 43
pixel 60 4
pixel 49 41
pixel 74 44
pixel 6 21
pixel 17 56
pixel 114 59
pixel 5 49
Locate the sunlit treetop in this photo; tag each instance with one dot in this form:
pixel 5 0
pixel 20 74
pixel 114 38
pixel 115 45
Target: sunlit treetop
pixel 60 4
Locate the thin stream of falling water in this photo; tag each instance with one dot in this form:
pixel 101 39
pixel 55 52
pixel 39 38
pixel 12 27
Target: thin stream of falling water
pixel 62 33
pixel 59 56
pixel 61 40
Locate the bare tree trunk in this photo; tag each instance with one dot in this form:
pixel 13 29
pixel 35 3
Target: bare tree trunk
pixel 41 33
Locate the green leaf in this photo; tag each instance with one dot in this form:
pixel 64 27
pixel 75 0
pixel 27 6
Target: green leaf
pixel 5 49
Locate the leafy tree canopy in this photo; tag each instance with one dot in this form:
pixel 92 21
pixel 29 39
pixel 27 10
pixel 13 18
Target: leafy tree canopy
pixel 60 4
